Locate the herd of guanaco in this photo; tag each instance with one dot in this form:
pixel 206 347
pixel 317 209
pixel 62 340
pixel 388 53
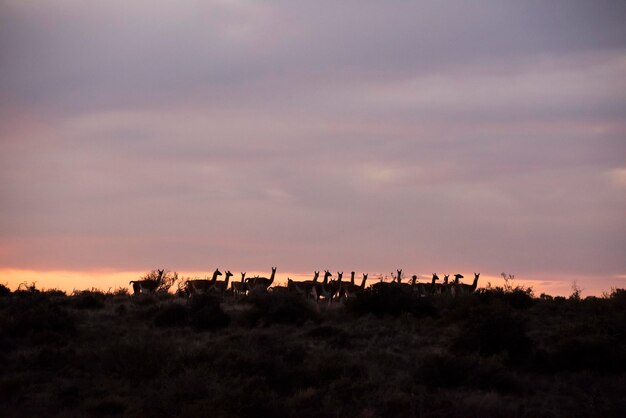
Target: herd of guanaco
pixel 329 290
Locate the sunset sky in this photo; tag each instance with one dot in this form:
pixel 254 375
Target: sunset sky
pixel 433 136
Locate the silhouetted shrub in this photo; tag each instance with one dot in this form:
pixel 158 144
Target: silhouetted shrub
pixel 69 395
pixel 138 358
pixel 335 337
pixel 596 353
pixel 144 300
pixel 55 293
pixel 444 370
pixel 25 290
pixel 87 299
pixel 441 370
pixel 283 308
pixel 618 299
pixel 518 297
pixel 390 300
pixel 27 319
pixel 105 407
pixel 4 291
pixel 493 330
pixel 206 313
pixel 171 315
pixel 121 291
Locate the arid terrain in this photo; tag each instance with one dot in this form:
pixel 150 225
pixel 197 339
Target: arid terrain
pixel 383 353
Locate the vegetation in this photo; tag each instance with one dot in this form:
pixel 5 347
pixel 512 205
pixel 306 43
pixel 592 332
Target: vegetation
pixel 386 352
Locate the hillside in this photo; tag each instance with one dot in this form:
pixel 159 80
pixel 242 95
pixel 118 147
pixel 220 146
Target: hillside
pixel 383 353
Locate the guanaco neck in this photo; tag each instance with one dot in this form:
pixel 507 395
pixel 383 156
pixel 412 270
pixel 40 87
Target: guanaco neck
pixel 352 278
pixel 475 281
pixel 435 278
pixel 363 282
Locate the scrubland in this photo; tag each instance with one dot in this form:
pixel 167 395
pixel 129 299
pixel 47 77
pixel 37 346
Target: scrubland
pixel 495 353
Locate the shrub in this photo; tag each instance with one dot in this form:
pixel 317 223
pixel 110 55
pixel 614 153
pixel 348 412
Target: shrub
pixel 618 299
pixel 55 293
pixel 333 336
pixel 121 291
pixel 141 357
pixel 279 308
pixel 206 313
pixel 575 353
pixel 444 370
pixel 25 289
pixel 144 300
pixel 517 297
pixel 4 291
pixel 40 317
pixel 106 407
pixel 171 315
pixel 493 330
pixel 390 300
pixel 87 299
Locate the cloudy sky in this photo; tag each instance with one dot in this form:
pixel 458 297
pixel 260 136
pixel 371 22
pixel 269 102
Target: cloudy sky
pixel 356 135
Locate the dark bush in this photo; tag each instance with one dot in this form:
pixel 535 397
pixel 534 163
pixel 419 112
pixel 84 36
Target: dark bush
pixel 144 300
pixel 493 330
pixel 518 298
pixel 27 319
pixel 287 308
pixel 55 293
pixel 27 290
pixel 206 313
pixel 618 299
pixel 141 357
pixel 88 299
pixel 444 370
pixel 106 407
pixel 333 336
pixel 120 291
pixel 171 315
pixel 4 291
pixel 596 353
pixel 390 300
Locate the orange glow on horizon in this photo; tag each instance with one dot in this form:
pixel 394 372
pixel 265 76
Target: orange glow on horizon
pixel 111 280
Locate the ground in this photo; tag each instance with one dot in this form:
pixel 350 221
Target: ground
pixel 494 353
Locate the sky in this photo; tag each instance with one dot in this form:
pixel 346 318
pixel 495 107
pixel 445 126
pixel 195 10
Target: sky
pixel 433 136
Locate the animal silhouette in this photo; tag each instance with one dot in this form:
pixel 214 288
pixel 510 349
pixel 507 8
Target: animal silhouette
pixel 202 285
pixel 240 288
pixel 350 290
pixel 260 283
pixel 147 285
pixel 220 286
pixel 465 289
pixel 304 288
